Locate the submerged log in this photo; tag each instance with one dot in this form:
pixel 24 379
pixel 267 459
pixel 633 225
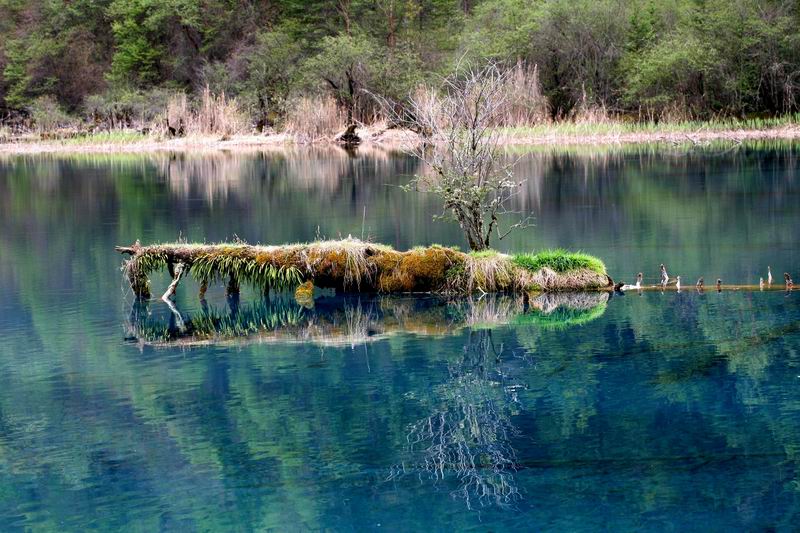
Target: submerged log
pixel 352 265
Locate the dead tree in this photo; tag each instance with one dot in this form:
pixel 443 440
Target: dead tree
pixel 461 128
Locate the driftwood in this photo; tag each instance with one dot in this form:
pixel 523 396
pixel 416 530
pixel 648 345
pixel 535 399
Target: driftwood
pixel 349 265
pixel 348 137
pixel 713 288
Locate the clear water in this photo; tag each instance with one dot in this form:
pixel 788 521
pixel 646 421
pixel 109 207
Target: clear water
pixel 660 411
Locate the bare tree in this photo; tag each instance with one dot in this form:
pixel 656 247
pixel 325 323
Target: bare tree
pixel 466 169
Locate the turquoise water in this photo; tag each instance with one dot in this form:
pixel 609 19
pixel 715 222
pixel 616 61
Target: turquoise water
pixel 675 411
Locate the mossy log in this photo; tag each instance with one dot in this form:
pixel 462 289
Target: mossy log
pixel 350 265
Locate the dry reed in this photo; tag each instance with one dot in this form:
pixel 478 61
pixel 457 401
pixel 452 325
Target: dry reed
pixel 212 115
pixel 311 119
pixel 525 104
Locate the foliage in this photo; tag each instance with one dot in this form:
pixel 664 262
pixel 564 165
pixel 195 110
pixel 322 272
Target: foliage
pixel 501 29
pixel 559 261
pixel 672 73
pixel 643 58
pixel 47 115
pixel 271 69
pixel 344 67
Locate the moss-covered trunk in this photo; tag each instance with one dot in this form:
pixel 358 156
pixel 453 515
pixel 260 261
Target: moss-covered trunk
pixel 351 266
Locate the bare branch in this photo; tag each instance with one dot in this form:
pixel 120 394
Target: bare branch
pixel 465 166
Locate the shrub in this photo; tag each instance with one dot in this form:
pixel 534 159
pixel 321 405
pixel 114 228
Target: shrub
pixel 47 115
pixel 126 108
pixel 676 73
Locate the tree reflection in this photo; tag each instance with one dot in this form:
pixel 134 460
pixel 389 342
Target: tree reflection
pixel 469 434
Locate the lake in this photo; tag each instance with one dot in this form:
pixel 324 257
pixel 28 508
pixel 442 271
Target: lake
pixel 674 411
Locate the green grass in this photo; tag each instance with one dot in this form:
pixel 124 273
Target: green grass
pixel 618 126
pixel 483 254
pixel 559 261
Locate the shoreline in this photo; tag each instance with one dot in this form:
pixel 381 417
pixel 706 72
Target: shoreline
pixel 391 140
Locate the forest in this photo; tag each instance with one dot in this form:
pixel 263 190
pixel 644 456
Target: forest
pixel 275 63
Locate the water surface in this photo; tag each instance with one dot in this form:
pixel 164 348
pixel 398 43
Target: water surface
pixel 659 411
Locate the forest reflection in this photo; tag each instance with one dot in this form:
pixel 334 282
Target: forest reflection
pixel 217 176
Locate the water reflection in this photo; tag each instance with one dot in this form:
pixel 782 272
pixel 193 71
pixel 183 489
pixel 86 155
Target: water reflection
pixel 468 434
pixel 666 411
pixel 351 319
pixel 704 211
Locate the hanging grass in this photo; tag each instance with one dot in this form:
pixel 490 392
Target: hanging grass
pixel 240 263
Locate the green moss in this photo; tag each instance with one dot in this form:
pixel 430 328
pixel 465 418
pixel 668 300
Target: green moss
pixel 483 254
pixel 560 261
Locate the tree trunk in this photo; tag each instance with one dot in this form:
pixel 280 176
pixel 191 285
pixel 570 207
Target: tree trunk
pixel 351 90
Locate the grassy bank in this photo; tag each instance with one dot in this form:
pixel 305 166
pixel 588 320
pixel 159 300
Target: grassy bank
pixel 352 265
pixel 624 132
pixel 603 132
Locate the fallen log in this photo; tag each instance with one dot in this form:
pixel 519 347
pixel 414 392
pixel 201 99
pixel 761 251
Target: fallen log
pixel 352 265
